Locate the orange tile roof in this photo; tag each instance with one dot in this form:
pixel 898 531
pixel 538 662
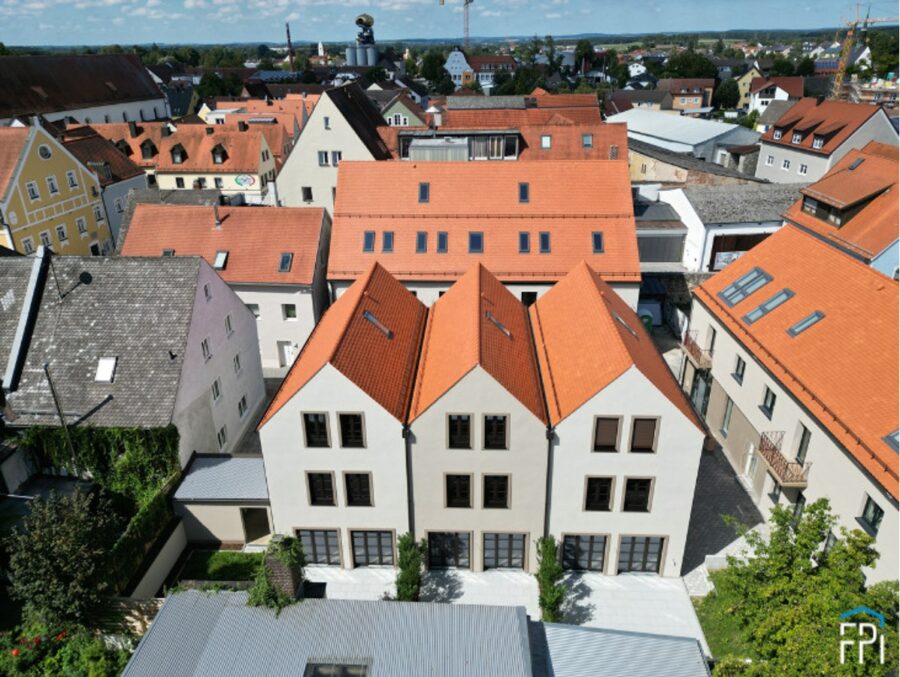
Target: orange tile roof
pixel 844 368
pixel 479 62
pixel 512 118
pixel 291 103
pixel 793 85
pixel 90 148
pixel 837 120
pixel 119 134
pixel 460 335
pixel 582 347
pixel 254 237
pixel 876 225
pixel 547 100
pixel 567 142
pixel 383 367
pixel 484 197
pixel 12 143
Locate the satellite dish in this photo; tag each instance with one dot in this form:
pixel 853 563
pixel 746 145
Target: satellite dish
pixel 85 277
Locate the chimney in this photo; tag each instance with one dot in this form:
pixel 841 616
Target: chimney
pixel 132 129
pixel 216 219
pixel 242 126
pixel 165 130
pixel 209 131
pixel 285 573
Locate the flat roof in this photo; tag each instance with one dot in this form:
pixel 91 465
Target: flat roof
pixel 218 477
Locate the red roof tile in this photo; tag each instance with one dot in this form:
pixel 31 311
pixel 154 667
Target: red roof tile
pixel 382 366
pixel 837 120
pixel 513 118
pixel 462 333
pixel 254 237
pixel 844 368
pixel 12 143
pixel 92 149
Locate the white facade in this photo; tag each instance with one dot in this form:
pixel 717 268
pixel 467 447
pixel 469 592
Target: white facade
pixel 672 468
pixel 115 201
pixel 760 100
pixel 132 111
pixel 456 65
pixel 199 415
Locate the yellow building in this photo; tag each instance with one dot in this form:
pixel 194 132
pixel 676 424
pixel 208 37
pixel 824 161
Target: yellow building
pixel 47 197
pixel 743 83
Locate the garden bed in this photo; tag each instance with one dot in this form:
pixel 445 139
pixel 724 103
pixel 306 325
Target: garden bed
pixel 220 565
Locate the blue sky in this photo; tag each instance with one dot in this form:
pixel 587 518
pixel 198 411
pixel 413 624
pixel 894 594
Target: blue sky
pixel 55 22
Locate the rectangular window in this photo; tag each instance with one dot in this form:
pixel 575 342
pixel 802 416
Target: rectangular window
pixel 872 515
pixel 45 238
pixel 28 245
pixel 326 121
pixel 587 140
pixel 770 160
pixel 643 435
pixel 71 180
pixel 81 224
pixel 613 152
pixel 236 362
pixel 320 546
pixel 359 489
pixel 777 134
pixel 802 170
pixel 421 242
pixel 459 431
pixel 369 241
pixel 805 323
pixel 637 495
pixel 523 192
pixel 496 491
pixel 220 261
pixel 803 444
pixel 739 367
pixel 288 311
pixel 597 241
pixel 323 158
pixel 222 437
pixel 204 347
pixel 786 165
pixel 372 548
pixel 476 242
pixel 606 434
pixel 745 285
pixel 584 552
pixel 598 495
pixel 61 233
pixel 768 405
pixel 33 192
pixel 179 182
pixel 336 156
pixel 546 141
pixel 524 242
pixel 459 491
pixel 768 306
pixel 51 185
pixel 254 309
pixel 321 488
pixel 316 428
pixel 726 418
pixel 242 406
pixel 796 137
pixel 307 193
pixel 495 428
pixel 207 292
pixel 544 240
pixel 351 431
pixel 818 142
pixel 504 551
pixel 640 554
pixel 387 241
pixel 424 192
pixel 442 242
pixel 219 183
pixel 448 550
pixel 285 262
pixel 216 390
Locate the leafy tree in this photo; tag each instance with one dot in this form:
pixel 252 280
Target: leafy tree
pixel 885 47
pixel 789 593
pixel 412 68
pixel 433 66
pixel 58 561
pixel 410 562
pixel 263 51
pixel 112 49
pixel 690 64
pixel 212 84
pixel 720 46
pixel 376 74
pixel 554 58
pixel 473 86
pixel 806 67
pixel 445 84
pixel 750 120
pixel 584 87
pixel 584 55
pixel 266 64
pixel 532 50
pixel 551 589
pixel 3 50
pixel 781 66
pixel 727 94
pixel 37 650
pixel 503 83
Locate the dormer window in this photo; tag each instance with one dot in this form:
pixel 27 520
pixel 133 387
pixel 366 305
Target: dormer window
pixel 178 154
pixel 797 137
pixel 148 150
pixel 818 142
pixel 776 134
pixel 219 155
pixel 125 149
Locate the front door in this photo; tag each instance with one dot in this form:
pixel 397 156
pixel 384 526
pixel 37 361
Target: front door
pixel 256 523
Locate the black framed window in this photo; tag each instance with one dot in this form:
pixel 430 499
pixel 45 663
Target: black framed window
pixel 768 405
pixel 387 241
pixel 351 430
pixel 803 445
pixel 359 489
pixel 459 428
pixel 524 242
pixel 421 242
pixel 459 491
pixel 739 367
pixel 495 432
pixel 599 493
pixel 640 553
pixel 643 435
pixel 372 548
pixel 448 550
pixel 504 551
pixel 584 552
pixel 496 491
pixel 476 242
pixel 544 241
pixel 597 241
pixel 872 515
pixel 320 546
pixel 637 495
pixel 316 428
pixel 321 488
pixel 442 241
pixel 606 434
pixel 424 192
pixel 523 192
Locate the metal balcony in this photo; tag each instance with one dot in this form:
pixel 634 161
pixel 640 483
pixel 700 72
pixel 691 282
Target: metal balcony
pixel 790 474
pixel 701 358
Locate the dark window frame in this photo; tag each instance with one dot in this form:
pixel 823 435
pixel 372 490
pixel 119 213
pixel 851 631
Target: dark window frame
pixel 595 487
pixel 634 434
pixel 356 437
pixel 319 493
pixel 497 495
pixel 637 497
pixel 451 434
pixel 457 491
pixel 358 494
pixel 605 448
pixel 309 435
pixel 491 434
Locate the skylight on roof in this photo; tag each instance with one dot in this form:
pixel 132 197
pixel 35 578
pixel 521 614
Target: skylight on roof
pixel 497 323
pixel 805 323
pixel 168 252
pixel 856 163
pixel 220 260
pixel 768 306
pixel 745 285
pixel 106 370
pixel 893 440
pixel 378 324
pixel 284 264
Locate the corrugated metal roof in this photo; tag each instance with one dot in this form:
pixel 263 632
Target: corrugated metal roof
pixel 202 633
pixel 681 128
pixel 579 652
pixel 224 478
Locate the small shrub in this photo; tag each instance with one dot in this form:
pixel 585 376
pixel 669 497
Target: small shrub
pixel 289 552
pixel 551 589
pixel 410 561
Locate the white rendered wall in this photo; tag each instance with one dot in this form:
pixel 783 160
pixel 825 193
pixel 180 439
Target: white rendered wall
pixel 152 109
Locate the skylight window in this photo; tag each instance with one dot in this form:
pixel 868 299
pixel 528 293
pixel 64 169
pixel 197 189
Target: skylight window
pixel 378 324
pixel 544 238
pixel 424 192
pixel 106 370
pixel 442 242
pixel 856 163
pixel 220 260
pixel 745 285
pixel 805 323
pixel 168 252
pixel 597 241
pixel 893 440
pixel 387 241
pixel 497 323
pixel 523 192
pixel 476 242
pixel 524 242
pixel 768 306
pixel 421 242
pixel 627 326
pixel 369 241
pixel 284 264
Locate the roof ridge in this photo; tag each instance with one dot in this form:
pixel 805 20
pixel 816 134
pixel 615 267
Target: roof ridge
pixel 423 358
pixel 540 328
pixel 367 277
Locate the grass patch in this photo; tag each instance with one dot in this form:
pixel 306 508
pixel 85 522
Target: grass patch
pixel 221 565
pixel 723 632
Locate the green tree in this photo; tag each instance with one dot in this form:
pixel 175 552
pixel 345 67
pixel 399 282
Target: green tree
pixel 262 51
pixel 789 593
pixel 690 64
pixel 503 83
pixel 532 50
pixel 727 94
pixel 749 121
pixel 3 50
pixel 266 64
pixel 376 74
pixel 58 560
pixel 410 563
pixel 412 68
pixel 433 66
pixel 551 589
pixel 806 67
pixel 885 47
pixel 584 55
pixel 781 66
pixel 554 58
pixel 112 49
pixel 720 46
pixel 445 84
pixel 473 86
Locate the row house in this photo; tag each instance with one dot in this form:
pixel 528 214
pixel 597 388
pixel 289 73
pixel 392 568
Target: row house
pixel 410 218
pixel 475 429
pixel 792 361
pixel 128 342
pixel 814 134
pixel 273 259
pixel 689 95
pixel 763 91
pixel 854 207
pixel 48 198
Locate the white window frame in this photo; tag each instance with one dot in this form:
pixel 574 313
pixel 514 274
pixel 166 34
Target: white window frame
pixel 802 169
pixel 818 142
pixel 81 225
pixel 52 185
pixel 786 165
pixel 205 349
pixel 770 160
pixel 28 245
pixel 229 330
pixel 546 141
pixel 46 240
pixel 62 233
pixel 71 180
pixel 33 191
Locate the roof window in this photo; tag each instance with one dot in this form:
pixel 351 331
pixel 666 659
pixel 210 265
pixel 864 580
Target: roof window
pixel 424 192
pixel 421 242
pixel 627 326
pixel 168 252
pixel 745 285
pixel 544 242
pixel 369 241
pixel 597 241
pixel 768 306
pixel 476 242
pixel 893 440
pixel 378 324
pixel 220 260
pixel 524 242
pixel 856 163
pixel 106 370
pixel 805 323
pixel 284 264
pixel 497 323
pixel 442 242
pixel 523 192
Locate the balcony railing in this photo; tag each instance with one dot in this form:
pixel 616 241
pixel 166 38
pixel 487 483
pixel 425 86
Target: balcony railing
pixel 789 474
pixel 701 358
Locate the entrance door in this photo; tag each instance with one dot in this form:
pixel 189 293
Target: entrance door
pixel 256 523
pixel 504 551
pixel 448 550
pixel 287 351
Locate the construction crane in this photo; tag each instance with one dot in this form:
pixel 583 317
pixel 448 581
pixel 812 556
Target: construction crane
pixel 837 88
pixel 466 4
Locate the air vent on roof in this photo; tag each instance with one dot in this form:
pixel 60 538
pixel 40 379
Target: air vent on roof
pixel 220 260
pixel 378 324
pixel 624 324
pixel 497 323
pixel 106 370
pixel 856 163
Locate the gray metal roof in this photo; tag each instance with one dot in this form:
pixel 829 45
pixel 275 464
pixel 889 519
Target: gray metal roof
pixel 572 651
pixel 742 204
pixel 213 634
pixel 680 128
pixel 224 478
pixel 483 102
pixel 687 161
pixel 775 110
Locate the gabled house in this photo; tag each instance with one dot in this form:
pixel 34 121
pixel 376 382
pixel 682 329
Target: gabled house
pixel 129 342
pixel 486 66
pixel 273 259
pixel 792 361
pixel 854 207
pixel 763 91
pixel 649 163
pixel 813 135
pixel 397 108
pixel 689 95
pixel 744 81
pixel 625 442
pixel 622 100
pixel 478 428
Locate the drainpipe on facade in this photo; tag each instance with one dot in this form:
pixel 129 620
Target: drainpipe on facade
pixel 547 490
pixel 409 488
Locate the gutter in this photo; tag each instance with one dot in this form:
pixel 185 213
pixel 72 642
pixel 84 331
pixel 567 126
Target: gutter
pixel 27 316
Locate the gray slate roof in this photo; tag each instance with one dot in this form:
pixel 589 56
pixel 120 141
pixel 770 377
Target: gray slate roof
pixel 742 204
pixel 224 478
pixel 775 110
pixel 200 633
pixel 686 161
pixel 484 102
pixel 134 309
